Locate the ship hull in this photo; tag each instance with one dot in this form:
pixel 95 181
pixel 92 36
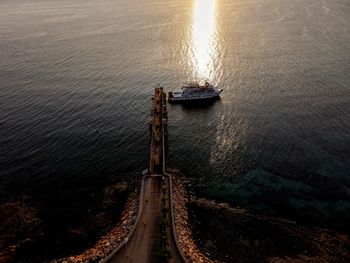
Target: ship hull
pixel 191 100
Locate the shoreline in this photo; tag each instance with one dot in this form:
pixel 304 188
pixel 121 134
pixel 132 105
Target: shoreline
pixel 184 231
pixel 210 231
pixel 113 238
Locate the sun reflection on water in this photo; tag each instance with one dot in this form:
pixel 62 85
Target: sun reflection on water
pixel 203 44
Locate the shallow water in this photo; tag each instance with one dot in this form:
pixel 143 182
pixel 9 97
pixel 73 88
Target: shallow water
pixel 77 78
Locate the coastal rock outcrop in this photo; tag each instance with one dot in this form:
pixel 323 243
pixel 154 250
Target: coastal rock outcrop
pixel 19 225
pixel 230 234
pixel 209 231
pixel 111 240
pixel 28 232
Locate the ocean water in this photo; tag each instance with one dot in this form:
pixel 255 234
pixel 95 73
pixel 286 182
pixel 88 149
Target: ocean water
pixel 76 79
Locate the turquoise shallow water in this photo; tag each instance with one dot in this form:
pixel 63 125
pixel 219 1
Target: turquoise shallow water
pixel 77 76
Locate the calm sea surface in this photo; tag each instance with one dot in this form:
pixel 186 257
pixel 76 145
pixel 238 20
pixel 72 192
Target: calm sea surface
pixel 76 79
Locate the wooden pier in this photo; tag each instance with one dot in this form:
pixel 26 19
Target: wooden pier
pixel 158 132
pixel 145 242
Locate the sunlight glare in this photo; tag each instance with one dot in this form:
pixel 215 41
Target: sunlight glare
pixel 203 38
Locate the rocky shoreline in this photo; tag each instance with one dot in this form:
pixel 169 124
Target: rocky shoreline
pixel 237 234
pixel 207 231
pixel 216 232
pixel 110 241
pixel 31 231
pixel 181 198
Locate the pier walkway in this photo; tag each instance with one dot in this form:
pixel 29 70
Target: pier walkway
pixel 153 237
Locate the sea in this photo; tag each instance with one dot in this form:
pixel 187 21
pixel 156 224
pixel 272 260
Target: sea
pixel 77 77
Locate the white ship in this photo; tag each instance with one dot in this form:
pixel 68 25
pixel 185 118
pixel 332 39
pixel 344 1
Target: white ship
pixel 192 92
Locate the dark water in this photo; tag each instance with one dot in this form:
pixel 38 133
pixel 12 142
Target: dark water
pixel 77 76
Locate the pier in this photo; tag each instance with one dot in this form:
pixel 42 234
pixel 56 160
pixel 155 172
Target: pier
pixel 153 236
